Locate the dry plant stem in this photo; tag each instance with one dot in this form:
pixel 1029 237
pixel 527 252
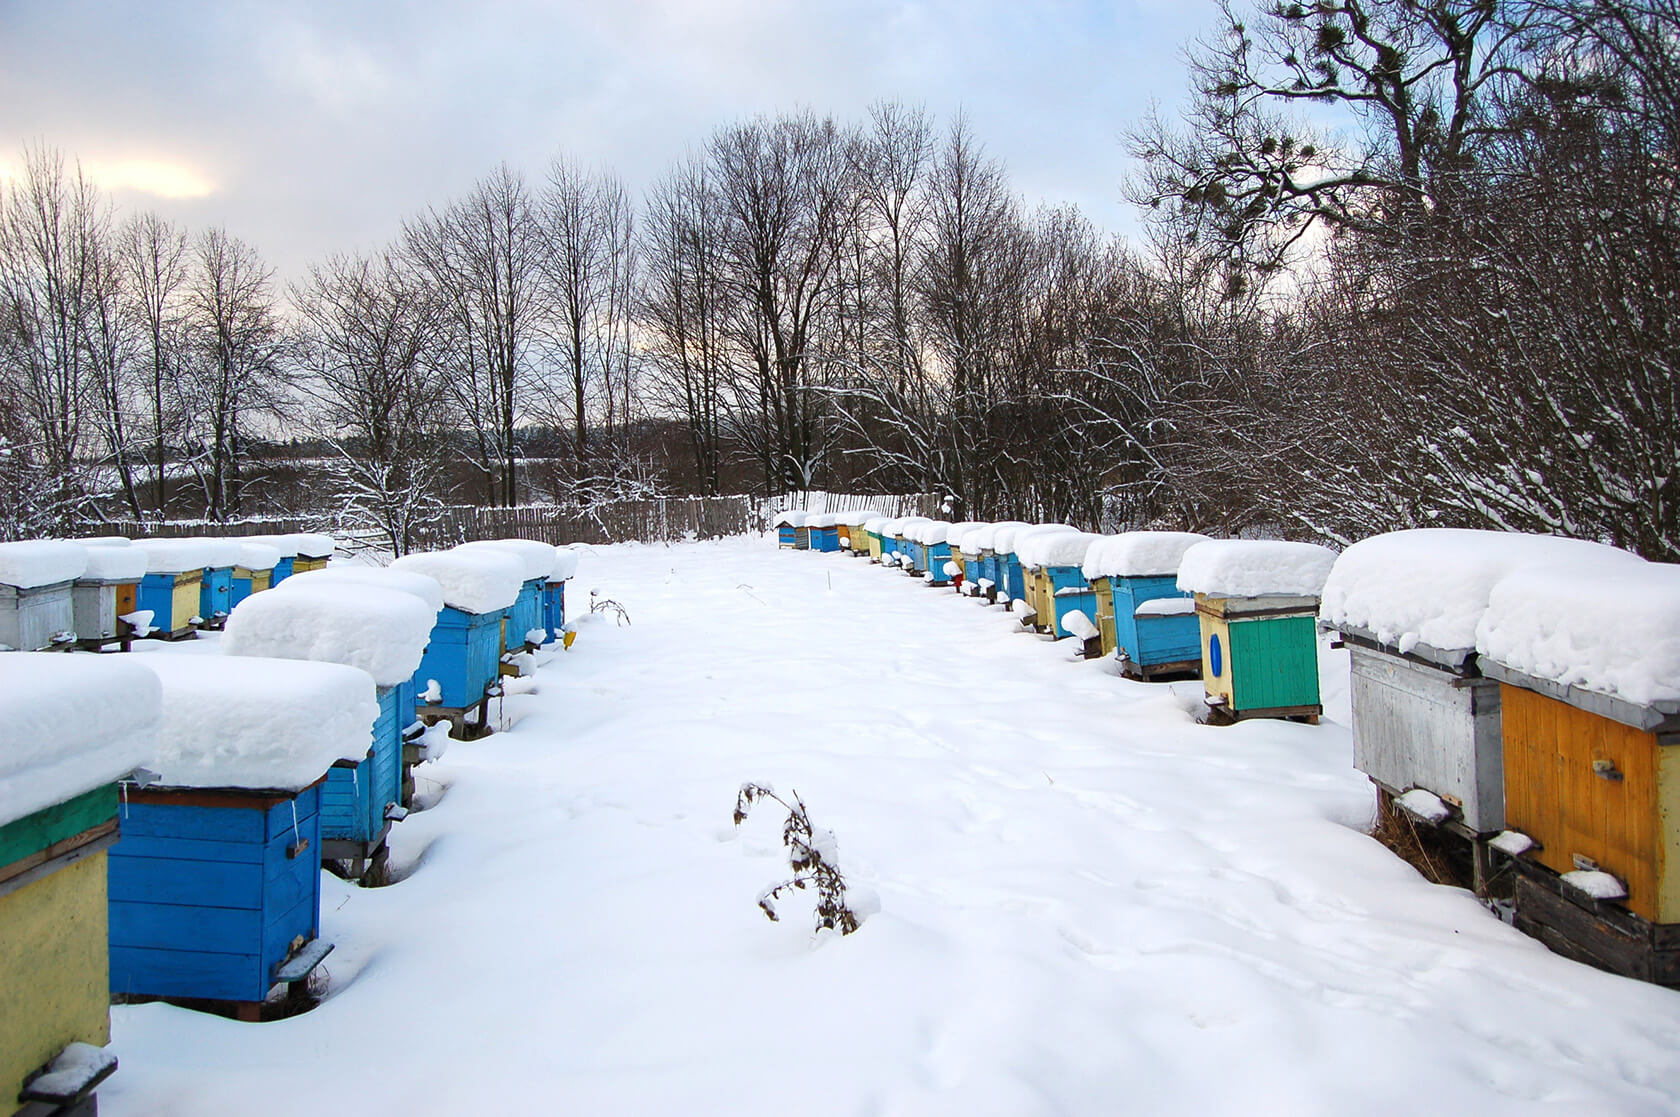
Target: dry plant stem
pixel 805 857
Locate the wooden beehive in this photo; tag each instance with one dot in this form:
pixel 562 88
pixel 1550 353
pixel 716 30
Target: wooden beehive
pixel 99 606
pixel 463 658
pixel 357 797
pixel 53 932
pixel 215 893
pixel 34 618
pixel 1103 587
pixel 1428 719
pixel 215 596
pixel 1594 781
pixel 1153 645
pixel 1260 656
pixel 173 600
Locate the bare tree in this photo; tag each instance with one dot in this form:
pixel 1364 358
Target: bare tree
pixel 486 255
pixel 370 336
pixel 153 255
pixel 237 366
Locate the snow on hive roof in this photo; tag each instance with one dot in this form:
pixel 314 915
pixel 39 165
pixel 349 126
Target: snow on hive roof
pixel 1255 568
pixel 1139 554
pixel 857 517
pixel 114 564
pixel 423 586
pixel 103 541
pixel 534 555
pixel 310 545
pixel 1054 548
pixel 41 562
pixel 69 724
pixel 874 524
pixel 285 544
pixel 565 564
pixel 383 631
pixel 1011 541
pixel 959 532
pixel 928 532
pixel 791 518
pixel 822 519
pixel 177 556
pixel 1003 529
pixel 1430 586
pixel 258 556
pixel 1604 624
pixel 229 721
pixel 476 581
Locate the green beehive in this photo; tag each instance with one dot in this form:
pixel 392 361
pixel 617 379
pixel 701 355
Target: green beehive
pixel 1257 605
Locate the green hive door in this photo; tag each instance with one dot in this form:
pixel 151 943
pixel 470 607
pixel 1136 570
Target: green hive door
pixel 1274 663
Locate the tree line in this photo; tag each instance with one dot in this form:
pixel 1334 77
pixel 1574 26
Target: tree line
pixel 1456 308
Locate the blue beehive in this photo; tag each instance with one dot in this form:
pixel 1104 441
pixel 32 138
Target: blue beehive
pixel 172 590
pixel 554 592
pixel 1050 557
pixel 215 599
pixel 374 619
pixel 1136 569
pixel 254 572
pixel 790 531
pixel 479 586
pixel 934 551
pixel 215 888
pixel 525 617
pixel 824 532
pixel 358 797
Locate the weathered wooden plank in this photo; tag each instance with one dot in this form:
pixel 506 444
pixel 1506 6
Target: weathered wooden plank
pixel 33 833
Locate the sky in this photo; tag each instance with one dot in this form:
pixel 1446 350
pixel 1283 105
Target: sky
pixel 317 126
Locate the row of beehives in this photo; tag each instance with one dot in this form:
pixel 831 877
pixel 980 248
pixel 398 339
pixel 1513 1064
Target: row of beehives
pixel 1514 695
pixel 164 818
pixel 104 591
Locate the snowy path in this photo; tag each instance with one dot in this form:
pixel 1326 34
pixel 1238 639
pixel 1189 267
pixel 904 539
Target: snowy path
pixel 1088 903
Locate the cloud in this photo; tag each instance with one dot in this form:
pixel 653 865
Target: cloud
pixel 156 177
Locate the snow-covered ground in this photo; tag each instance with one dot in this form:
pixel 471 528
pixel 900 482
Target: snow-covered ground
pixel 1079 900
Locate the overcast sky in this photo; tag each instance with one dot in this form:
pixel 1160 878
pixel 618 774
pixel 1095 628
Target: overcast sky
pixel 311 127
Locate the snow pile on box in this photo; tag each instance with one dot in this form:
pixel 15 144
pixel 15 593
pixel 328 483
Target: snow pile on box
pixel 957 534
pixel 258 723
pixel 857 517
pixel 422 586
pixel 103 541
pixel 40 562
pixel 383 631
pixel 1052 547
pixel 478 581
pixel 1255 568
pixel 874 524
pixel 1139 554
pixel 258 556
pixel 1606 625
pixel 929 532
pixel 999 537
pixel 1080 625
pixel 177 556
pixel 822 519
pixel 285 544
pixel 1431 585
pixel 791 518
pixel 114 564
pixel 534 555
pixel 565 564
pixel 310 545
pixel 1166 607
pixel 69 724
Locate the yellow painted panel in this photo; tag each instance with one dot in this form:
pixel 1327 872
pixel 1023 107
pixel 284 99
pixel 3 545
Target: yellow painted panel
pixel 1668 824
pixel 183 604
pixel 1105 616
pixel 54 970
pixel 261 580
pixel 1221 686
pixel 1553 795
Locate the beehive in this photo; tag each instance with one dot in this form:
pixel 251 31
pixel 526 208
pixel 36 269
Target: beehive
pixel 1257 604
pixel 84 722
pixel 1130 572
pixel 215 888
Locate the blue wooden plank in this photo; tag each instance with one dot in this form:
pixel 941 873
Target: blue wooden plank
pixel 1168 639
pixel 213 884
pixel 215 592
pixel 208 824
pixel 145 972
pixel 282 570
pixel 184 927
pixel 301 918
pixel 185 848
pixel 285 816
